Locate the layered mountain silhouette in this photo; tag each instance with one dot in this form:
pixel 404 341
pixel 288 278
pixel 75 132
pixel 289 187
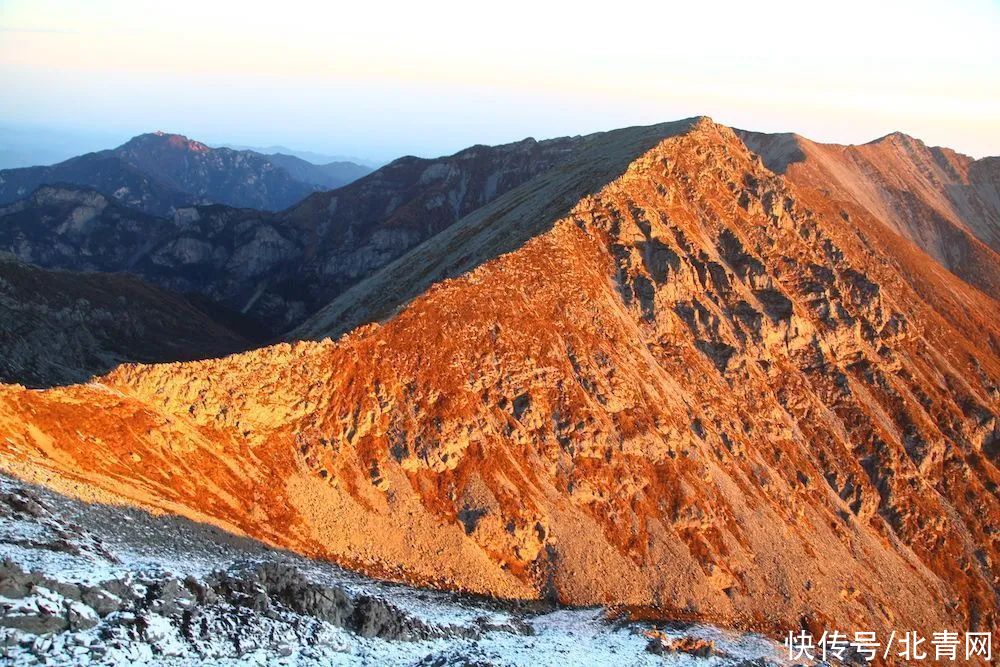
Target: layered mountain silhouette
pixel 327 176
pixel 157 173
pixel 652 367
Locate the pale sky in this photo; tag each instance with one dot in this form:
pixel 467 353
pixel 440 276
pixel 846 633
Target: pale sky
pixel 382 79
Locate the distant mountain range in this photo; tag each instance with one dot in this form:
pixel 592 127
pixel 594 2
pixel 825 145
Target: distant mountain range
pixel 326 176
pixel 308 156
pixel 158 172
pixel 277 268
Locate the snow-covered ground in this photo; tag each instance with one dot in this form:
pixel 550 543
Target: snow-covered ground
pixel 93 584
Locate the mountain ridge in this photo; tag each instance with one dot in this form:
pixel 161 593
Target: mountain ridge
pixel 698 364
pixel 947 203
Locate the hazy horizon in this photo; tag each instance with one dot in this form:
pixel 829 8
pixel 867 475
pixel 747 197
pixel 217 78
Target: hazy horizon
pixel 454 76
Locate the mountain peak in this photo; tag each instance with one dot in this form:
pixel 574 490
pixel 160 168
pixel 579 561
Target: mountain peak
pixel 702 122
pixel 168 140
pixel 897 138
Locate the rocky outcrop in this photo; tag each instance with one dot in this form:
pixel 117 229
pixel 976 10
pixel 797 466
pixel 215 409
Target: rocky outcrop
pixel 35 603
pixel 88 583
pixel 702 389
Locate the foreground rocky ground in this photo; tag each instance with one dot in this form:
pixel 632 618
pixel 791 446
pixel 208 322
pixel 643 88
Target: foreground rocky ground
pixel 84 583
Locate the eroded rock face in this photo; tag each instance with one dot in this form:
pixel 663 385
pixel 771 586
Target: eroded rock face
pixel 700 390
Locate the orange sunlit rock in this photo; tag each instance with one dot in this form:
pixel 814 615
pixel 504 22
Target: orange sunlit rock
pixel 708 389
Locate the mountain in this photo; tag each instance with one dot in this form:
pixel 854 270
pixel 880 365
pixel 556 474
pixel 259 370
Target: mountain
pixel 59 327
pixel 220 175
pixel 667 378
pixel 308 156
pixel 355 230
pixel 103 171
pixel 220 253
pixel 158 173
pixel 560 173
pixel 277 268
pixel 946 203
pixel 328 176
pixel 66 227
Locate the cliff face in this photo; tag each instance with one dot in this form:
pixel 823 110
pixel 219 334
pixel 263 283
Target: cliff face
pixel 702 389
pixel 946 203
pixel 65 227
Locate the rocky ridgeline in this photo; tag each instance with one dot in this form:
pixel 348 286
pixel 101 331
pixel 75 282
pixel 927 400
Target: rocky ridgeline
pixel 944 202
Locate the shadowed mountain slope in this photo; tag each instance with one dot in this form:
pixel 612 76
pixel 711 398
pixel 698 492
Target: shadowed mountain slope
pixel 58 327
pixel 358 229
pixel 490 230
pixel 946 203
pixel 104 172
pixel 225 255
pixel 71 228
pixel 698 389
